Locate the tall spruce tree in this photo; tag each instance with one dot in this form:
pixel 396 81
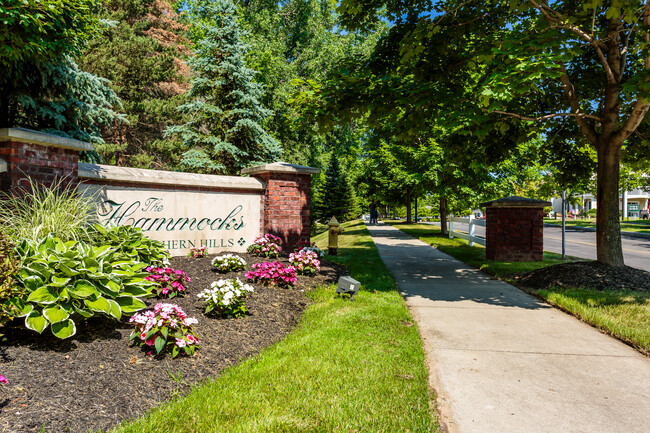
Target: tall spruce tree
pixel 224 133
pixel 336 196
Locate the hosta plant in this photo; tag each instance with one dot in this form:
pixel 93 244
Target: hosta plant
pixel 197 252
pixel 132 243
pixel 266 246
pixel 273 273
pixel 226 297
pixel 166 328
pixel 305 262
pixel 229 263
pixel 168 282
pixel 67 282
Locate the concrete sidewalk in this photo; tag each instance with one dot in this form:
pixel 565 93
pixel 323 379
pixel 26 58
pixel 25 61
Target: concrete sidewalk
pixel 502 361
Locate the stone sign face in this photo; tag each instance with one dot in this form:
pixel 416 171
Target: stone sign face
pixel 183 220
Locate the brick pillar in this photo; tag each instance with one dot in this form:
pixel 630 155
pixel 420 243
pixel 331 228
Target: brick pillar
pixel 515 229
pixel 286 203
pixel 42 157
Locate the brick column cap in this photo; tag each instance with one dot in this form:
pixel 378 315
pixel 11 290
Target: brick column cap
pixel 23 135
pixel 281 167
pixel 514 201
pixel 166 178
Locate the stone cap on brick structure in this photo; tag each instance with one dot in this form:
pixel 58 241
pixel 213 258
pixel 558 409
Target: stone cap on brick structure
pixel 514 201
pixel 36 137
pixel 141 175
pixel 281 167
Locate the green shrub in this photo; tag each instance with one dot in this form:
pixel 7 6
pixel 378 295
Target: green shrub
pixel 592 213
pixel 71 281
pixel 9 266
pixel 41 211
pixel 131 242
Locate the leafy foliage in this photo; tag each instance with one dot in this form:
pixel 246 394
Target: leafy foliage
pixel 71 281
pixel 224 133
pixel 41 30
pixel 9 267
pixel 131 242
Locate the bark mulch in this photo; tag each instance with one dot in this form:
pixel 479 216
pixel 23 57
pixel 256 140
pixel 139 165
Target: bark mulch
pixel 589 275
pixel 96 378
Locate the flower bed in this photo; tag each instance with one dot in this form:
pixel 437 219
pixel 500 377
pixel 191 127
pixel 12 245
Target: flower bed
pixel 101 378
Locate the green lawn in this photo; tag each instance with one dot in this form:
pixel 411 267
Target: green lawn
pixel 348 367
pixel 623 314
pixel 639 226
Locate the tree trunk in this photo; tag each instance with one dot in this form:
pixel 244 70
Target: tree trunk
pixel 609 249
pixel 4 113
pixel 408 207
pixel 443 217
pixel 416 210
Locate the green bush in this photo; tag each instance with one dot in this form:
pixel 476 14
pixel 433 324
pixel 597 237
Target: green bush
pixel 9 266
pixel 41 211
pixel 71 281
pixel 131 242
pixel 592 213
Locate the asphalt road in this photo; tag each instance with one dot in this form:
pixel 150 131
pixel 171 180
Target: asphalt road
pixel 636 251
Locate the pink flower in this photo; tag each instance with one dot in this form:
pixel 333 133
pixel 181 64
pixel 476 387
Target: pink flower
pixel 151 341
pixel 5 381
pixel 180 342
pixel 191 339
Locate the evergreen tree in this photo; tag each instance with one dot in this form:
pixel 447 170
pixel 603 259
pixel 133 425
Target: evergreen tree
pixel 59 98
pixel 336 197
pixel 143 55
pixel 41 87
pixel 224 133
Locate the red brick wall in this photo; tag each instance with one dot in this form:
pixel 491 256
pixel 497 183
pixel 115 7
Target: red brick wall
pixel 514 234
pixel 43 164
pixel 286 207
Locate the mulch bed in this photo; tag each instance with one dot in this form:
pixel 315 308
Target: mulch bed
pixel 96 378
pixel 586 274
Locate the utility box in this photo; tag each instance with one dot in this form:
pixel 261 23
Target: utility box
pixel 515 229
pixel 349 286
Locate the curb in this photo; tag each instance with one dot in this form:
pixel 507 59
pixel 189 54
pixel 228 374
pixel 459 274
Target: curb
pixel 591 229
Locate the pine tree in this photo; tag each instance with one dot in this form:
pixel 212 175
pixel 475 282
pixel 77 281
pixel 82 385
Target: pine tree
pixel 336 196
pixel 224 133
pixel 143 55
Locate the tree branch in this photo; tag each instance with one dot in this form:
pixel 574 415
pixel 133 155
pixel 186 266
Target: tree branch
pixel 558 21
pixel 641 105
pixel 546 117
pixel 569 92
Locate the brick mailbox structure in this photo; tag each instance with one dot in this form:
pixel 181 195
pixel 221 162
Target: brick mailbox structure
pixel 515 229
